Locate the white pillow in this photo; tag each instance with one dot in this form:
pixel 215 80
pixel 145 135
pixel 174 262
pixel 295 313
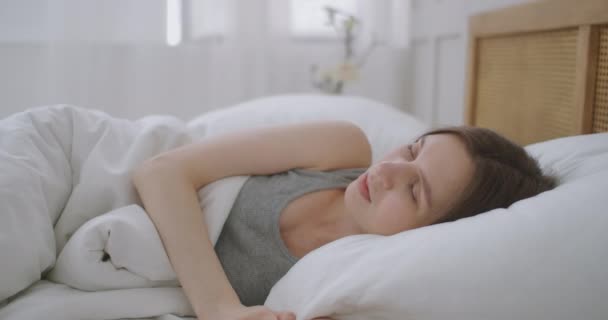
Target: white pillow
pixel 385 126
pixel 542 258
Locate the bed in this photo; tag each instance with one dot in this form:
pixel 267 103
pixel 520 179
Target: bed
pixel 538 73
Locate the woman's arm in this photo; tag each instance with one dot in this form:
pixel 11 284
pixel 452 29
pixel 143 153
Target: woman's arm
pixel 168 184
pixel 316 145
pixel 173 207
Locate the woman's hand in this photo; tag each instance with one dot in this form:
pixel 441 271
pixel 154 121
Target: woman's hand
pixel 256 313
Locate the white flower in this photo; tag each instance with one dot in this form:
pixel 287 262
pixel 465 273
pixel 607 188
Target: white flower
pixel 345 72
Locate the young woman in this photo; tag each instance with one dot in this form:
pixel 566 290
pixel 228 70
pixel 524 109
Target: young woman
pixel 311 184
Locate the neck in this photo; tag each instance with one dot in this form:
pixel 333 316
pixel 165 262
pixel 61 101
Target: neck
pixel 331 222
pixel 336 222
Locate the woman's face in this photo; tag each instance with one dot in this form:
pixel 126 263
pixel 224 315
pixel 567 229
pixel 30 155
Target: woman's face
pixel 413 186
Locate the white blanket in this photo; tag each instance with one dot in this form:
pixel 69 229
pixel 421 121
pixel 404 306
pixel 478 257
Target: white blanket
pixel 121 249
pixel 71 196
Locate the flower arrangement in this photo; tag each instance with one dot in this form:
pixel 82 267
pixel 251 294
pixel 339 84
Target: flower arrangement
pixel 333 79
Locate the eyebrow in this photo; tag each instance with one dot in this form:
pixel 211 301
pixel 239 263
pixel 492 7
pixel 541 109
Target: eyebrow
pixel 425 184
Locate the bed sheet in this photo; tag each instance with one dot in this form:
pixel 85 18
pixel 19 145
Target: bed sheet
pixel 48 300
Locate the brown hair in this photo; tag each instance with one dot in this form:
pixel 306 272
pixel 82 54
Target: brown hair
pixel 504 173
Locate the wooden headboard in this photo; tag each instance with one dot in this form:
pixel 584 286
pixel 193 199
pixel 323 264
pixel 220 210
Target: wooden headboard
pixel 539 71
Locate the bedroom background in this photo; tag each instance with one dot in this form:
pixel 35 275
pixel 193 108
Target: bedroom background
pixel 185 57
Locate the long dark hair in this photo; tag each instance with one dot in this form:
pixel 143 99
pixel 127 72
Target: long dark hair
pixel 504 173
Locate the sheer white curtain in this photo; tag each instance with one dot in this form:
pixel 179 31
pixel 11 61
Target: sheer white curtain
pixel 113 54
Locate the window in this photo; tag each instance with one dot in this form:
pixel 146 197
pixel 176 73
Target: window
pixel 207 18
pixel 309 17
pixel 191 20
pixel 174 22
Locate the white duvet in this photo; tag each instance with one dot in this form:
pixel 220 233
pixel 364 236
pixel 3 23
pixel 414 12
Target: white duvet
pixel 70 209
pixel 75 242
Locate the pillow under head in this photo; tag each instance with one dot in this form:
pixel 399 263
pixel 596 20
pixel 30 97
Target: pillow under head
pixel 542 258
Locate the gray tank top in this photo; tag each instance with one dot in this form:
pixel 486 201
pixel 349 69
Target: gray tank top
pixel 250 246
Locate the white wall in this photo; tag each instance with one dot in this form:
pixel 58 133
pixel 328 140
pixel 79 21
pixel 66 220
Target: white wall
pixel 36 21
pixel 439 56
pixel 111 55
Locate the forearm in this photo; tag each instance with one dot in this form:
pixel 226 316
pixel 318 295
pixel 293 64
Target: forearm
pixel 172 204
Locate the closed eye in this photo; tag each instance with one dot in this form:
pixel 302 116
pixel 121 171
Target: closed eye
pixel 413 193
pixel 410 151
pixel 412 156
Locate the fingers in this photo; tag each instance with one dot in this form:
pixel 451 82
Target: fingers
pixel 261 313
pixel 266 315
pixel 286 316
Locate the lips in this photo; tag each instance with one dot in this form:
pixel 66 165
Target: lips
pixel 364 188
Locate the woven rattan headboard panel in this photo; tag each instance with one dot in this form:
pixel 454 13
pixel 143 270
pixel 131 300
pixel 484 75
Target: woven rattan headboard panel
pixel 600 109
pixel 539 71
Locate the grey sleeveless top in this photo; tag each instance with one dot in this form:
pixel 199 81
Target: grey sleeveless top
pixel 250 246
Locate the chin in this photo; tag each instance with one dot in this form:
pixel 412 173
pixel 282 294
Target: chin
pixel 351 196
pixel 353 191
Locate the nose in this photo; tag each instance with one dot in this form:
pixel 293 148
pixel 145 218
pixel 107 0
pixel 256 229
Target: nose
pixel 389 173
